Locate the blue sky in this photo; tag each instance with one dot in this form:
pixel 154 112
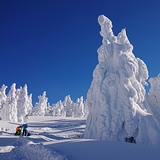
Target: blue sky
pixel 52 45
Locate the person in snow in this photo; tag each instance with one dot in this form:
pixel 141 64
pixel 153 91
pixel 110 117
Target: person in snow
pixel 18 130
pixel 24 126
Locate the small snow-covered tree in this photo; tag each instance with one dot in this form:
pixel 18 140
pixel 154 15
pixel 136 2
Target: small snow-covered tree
pixel 58 109
pixel 3 98
pixel 79 108
pixel 153 97
pixel 40 107
pixel 68 106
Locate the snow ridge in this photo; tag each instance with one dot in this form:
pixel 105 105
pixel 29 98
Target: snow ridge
pixel 27 150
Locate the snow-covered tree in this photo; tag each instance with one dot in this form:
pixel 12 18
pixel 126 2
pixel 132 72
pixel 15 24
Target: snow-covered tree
pixel 116 96
pixel 24 103
pixel 49 111
pixel 11 104
pixel 58 109
pixel 68 106
pixel 40 107
pixel 3 98
pixel 79 109
pixel 30 105
pixel 153 97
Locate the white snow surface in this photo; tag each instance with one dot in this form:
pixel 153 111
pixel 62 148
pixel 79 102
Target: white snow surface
pixel 60 138
pixel 117 101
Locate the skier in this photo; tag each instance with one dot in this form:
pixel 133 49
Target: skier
pixel 25 126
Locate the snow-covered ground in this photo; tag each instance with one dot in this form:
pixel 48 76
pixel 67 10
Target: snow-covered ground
pixel 62 139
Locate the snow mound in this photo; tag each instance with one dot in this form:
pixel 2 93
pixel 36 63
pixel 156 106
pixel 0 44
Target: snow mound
pixel 116 97
pixel 6 149
pixel 25 149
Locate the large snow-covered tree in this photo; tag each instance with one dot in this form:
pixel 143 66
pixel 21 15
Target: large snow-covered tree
pixel 11 104
pixel 24 103
pixel 117 94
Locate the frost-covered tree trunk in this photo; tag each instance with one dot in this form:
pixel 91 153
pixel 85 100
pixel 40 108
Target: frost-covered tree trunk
pixel 40 107
pixel 3 98
pixel 116 96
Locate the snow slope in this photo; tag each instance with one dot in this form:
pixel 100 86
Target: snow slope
pixel 61 139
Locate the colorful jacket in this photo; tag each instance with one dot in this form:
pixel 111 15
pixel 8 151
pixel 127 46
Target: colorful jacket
pixel 18 128
pixel 25 126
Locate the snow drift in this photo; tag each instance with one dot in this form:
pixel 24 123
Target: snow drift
pixel 116 98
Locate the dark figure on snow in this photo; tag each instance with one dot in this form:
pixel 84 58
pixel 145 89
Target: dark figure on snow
pixel 25 126
pixel 130 140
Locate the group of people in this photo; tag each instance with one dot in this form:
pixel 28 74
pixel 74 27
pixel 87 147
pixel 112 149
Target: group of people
pixel 21 128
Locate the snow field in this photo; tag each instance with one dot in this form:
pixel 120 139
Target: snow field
pixel 60 143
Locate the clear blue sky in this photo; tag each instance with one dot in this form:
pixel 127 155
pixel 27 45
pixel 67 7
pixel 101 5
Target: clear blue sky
pixel 51 45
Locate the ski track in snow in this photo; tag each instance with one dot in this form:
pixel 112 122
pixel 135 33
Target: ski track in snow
pixel 47 138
